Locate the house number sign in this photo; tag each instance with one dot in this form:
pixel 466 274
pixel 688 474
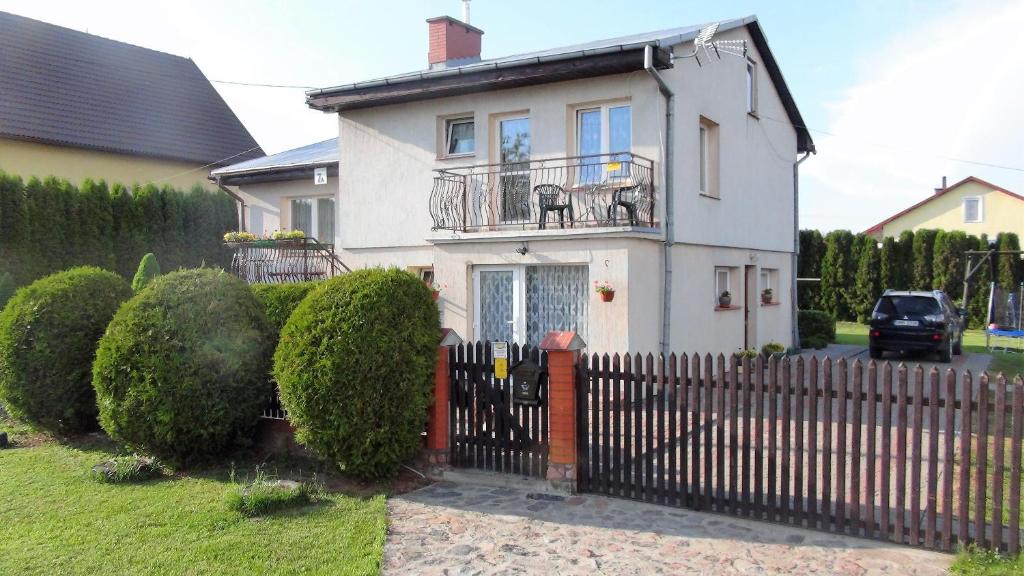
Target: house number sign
pixel 319 176
pixel 499 351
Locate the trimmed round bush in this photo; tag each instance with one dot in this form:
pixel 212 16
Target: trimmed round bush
pixel 48 336
pixel 280 300
pixel 817 328
pixel 355 366
pixel 182 371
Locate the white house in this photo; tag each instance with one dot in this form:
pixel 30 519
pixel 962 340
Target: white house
pixel 515 183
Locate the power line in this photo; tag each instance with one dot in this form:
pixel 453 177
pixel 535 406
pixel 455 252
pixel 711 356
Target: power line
pixel 222 160
pixel 258 85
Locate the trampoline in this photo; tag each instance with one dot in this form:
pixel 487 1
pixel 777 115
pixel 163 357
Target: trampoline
pixel 1005 332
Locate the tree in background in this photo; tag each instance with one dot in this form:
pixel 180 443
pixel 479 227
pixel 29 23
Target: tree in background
pixel 838 268
pixel 923 247
pixel 126 230
pixel 1008 266
pixel 868 283
pixel 812 250
pixel 888 266
pixel 904 273
pixel 14 240
pixel 950 262
pixel 977 308
pixel 95 219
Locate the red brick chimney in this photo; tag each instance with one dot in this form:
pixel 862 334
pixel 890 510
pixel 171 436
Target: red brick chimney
pixel 452 42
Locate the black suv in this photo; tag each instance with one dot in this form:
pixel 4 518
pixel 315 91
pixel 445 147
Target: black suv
pixel 916 321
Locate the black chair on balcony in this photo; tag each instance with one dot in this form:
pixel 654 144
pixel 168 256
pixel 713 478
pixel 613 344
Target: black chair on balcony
pixel 552 198
pixel 627 198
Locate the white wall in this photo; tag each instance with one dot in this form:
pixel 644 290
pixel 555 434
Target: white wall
pixel 271 199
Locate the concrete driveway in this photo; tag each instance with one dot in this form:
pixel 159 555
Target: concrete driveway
pixel 468 529
pixel 976 363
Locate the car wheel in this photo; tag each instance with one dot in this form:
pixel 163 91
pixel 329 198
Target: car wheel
pixel 946 352
pixel 875 353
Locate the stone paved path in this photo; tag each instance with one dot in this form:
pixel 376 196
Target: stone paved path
pixel 463 529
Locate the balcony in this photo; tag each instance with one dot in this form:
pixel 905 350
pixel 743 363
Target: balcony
pixel 596 191
pixel 282 261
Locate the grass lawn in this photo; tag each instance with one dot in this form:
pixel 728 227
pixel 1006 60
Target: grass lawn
pixel 974 341
pixel 55 519
pixel 984 563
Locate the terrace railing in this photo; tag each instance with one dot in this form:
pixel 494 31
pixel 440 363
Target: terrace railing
pixel 601 190
pixel 280 261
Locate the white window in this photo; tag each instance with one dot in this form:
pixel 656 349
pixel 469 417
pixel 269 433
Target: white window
pixel 708 158
pixel 460 137
pixel 751 87
pixel 425 273
pixel 604 138
pixel 523 303
pixel 973 209
pixel 769 281
pixel 722 282
pixel 315 217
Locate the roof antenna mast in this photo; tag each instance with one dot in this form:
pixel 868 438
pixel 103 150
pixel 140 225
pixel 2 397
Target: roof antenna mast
pixel 705 41
pixel 465 11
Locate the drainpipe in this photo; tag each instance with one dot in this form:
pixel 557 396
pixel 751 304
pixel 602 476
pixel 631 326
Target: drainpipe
pixel 241 203
pixel 670 98
pixel 795 330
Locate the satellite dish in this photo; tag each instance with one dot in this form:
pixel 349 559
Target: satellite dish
pixel 704 41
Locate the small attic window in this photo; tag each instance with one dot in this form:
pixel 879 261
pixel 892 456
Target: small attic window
pixel 973 209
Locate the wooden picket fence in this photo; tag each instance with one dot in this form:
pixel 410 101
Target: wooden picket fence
pixel 871 450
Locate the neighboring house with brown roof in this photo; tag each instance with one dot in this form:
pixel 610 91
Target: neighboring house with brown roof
pixel 76 106
pixel 972 205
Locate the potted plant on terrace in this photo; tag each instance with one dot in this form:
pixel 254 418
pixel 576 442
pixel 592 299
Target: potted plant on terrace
pixel 236 238
pixel 605 289
pixel 766 296
pixel 725 299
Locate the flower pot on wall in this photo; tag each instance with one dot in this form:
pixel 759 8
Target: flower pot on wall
pixel 725 301
pixel 435 294
pixel 608 296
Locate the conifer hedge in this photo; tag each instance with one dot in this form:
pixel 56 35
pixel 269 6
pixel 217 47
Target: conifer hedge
pixel 50 225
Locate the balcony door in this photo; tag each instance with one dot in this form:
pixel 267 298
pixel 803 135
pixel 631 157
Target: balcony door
pixel 523 303
pixel 513 147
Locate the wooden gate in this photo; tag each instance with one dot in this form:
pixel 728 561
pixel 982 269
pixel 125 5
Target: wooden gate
pixel 488 429
pixel 917 458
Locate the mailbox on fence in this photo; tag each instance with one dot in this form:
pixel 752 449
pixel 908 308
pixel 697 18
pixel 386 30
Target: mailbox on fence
pixel 526 380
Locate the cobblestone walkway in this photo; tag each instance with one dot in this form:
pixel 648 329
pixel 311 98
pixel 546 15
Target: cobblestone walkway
pixel 463 529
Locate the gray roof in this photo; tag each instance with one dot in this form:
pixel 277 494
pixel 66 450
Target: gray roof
pixel 319 154
pixel 69 88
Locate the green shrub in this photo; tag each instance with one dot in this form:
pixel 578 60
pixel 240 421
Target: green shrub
pixel 7 287
pixel 265 495
pixel 48 336
pixel 817 328
pixel 182 371
pixel 280 300
pixel 772 348
pixel 355 365
pixel 149 269
pixel 126 469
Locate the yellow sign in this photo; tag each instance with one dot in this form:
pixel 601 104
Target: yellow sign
pixel 613 166
pixel 499 350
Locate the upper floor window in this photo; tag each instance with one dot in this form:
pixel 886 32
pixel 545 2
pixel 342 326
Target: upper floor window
pixel 751 87
pixel 973 209
pixel 602 133
pixel 708 157
pixel 460 138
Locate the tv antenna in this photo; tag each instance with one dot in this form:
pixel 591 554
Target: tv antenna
pixel 704 41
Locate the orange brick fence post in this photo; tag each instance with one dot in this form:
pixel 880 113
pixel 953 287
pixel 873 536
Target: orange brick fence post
pixel 563 350
pixel 436 452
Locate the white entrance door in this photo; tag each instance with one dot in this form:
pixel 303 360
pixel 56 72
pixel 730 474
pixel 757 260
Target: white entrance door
pixel 522 303
pixel 498 303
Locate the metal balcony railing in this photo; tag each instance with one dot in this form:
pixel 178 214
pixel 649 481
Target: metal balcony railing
pixel 592 191
pixel 281 261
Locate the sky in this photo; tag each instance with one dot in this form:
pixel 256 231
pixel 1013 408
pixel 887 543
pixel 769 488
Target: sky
pixel 897 93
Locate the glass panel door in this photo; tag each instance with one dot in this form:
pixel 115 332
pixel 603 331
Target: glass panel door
pixel 557 298
pixel 325 220
pixel 589 139
pixel 302 215
pixel 496 304
pixel 514 177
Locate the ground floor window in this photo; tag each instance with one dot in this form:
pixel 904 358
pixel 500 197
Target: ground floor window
pixel 315 217
pixel 523 303
pixel 769 285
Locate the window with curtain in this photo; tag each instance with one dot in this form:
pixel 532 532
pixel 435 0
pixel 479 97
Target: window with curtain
pixel 604 131
pixel 557 298
pixel 325 220
pixel 302 215
pixel 315 217
pixel 460 136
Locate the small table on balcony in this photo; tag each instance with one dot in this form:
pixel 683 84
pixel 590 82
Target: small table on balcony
pixel 599 209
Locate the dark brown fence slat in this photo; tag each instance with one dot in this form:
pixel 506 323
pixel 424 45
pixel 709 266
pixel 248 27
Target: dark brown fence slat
pixel 812 443
pixel 963 535
pixel 684 403
pixel 828 389
pixel 798 450
pixel 708 384
pixel 885 464
pixel 695 433
pixel 871 458
pixel 649 444
pixel 673 423
pixel 840 503
pixel 733 409
pixel 948 439
pixel 627 426
pixel 539 444
pixel 638 430
pixel 516 440
pixel 901 453
pixel 759 438
pixel 543 411
pixel 720 449
pixel 915 457
pixel 999 441
pixel 595 430
pixel 981 466
pixel 619 411
pixel 606 454
pixel 856 405
pixel 748 500
pixel 934 431
pixel 773 454
pixel 1017 445
pixel 662 389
